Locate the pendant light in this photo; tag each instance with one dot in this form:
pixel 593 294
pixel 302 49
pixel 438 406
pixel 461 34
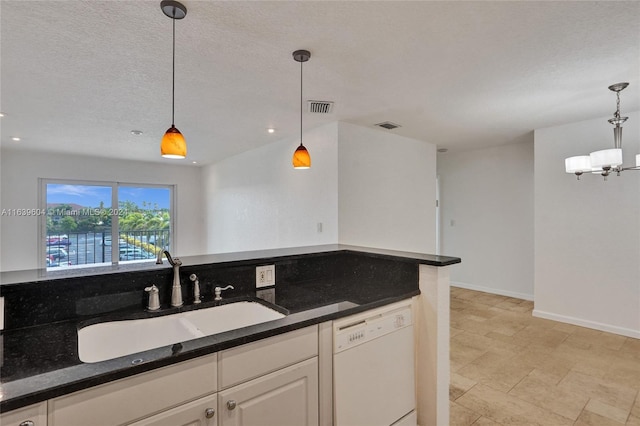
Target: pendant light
pixel 301 158
pixel 173 144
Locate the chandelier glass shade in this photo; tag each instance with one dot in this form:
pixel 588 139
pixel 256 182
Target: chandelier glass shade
pixel 606 158
pixel 579 163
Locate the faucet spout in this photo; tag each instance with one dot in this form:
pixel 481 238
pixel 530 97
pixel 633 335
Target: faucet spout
pixel 168 255
pixel 176 290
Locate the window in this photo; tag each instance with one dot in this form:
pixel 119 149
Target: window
pixel 93 223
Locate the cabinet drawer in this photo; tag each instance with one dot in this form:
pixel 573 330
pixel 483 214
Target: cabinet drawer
pixel 201 412
pixel 36 413
pixel 255 359
pixel 133 398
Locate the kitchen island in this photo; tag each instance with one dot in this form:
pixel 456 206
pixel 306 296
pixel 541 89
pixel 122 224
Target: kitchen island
pixel 313 285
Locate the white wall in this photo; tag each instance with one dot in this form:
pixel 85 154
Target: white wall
pixel 20 171
pixel 257 200
pixel 486 198
pixel 367 187
pixel 387 190
pixel 587 232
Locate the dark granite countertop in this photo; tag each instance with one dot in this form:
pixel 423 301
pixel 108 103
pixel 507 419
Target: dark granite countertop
pixel 33 275
pixel 40 361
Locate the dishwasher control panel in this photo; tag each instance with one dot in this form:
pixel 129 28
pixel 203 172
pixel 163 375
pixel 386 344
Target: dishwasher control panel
pixel 360 330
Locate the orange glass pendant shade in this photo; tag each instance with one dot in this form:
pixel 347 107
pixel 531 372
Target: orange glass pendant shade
pixel 301 158
pixel 173 144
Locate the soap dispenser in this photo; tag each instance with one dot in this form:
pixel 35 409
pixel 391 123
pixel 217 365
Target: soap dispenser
pixel 154 299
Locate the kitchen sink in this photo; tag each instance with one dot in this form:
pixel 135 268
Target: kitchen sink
pixel 107 340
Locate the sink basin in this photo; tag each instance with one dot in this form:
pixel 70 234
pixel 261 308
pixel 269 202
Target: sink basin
pixel 107 340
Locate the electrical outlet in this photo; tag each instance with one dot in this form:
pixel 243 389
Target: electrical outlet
pixel 265 276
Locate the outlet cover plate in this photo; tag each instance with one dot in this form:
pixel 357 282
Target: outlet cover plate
pixel 265 276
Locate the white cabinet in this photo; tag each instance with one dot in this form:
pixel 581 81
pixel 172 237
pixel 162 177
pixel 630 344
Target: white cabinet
pixel 269 382
pixel 277 375
pixel 33 415
pixel 133 398
pixel 202 412
pixel 252 360
pixel 287 397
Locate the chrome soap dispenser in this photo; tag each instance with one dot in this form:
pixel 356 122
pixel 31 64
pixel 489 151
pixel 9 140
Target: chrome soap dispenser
pixel 154 299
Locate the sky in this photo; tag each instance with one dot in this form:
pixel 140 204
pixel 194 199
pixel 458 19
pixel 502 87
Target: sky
pixel 91 195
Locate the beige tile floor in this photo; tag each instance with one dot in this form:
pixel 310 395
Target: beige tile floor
pixel 509 368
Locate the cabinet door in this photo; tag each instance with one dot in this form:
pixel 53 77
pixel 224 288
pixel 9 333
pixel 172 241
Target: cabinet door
pixel 288 397
pixel 201 412
pixel 33 415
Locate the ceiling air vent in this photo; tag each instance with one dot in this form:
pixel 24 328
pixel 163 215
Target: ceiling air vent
pixel 388 125
pixel 320 107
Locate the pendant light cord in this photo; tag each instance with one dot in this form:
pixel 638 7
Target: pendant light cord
pixel 300 103
pixel 173 72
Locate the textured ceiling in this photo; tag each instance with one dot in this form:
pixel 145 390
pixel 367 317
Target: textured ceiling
pixel 78 76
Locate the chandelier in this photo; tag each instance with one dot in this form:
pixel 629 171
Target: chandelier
pixel 606 161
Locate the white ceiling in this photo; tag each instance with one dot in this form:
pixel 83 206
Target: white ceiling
pixel 78 76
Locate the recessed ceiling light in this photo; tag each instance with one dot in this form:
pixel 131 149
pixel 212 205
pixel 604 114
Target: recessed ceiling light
pixel 271 130
pixel 442 150
pixel 194 162
pixel 136 132
pixel 2 114
pixel 16 139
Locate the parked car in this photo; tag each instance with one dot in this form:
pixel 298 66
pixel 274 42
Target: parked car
pixel 58 240
pixel 135 253
pixel 56 253
pixel 51 262
pixel 122 244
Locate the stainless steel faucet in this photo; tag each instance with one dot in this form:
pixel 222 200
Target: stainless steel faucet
pixel 176 290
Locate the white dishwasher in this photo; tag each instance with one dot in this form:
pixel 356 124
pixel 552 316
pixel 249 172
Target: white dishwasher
pixel 373 368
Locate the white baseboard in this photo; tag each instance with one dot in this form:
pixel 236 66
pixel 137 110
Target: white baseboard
pixel 628 332
pixel 588 324
pixel 492 290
